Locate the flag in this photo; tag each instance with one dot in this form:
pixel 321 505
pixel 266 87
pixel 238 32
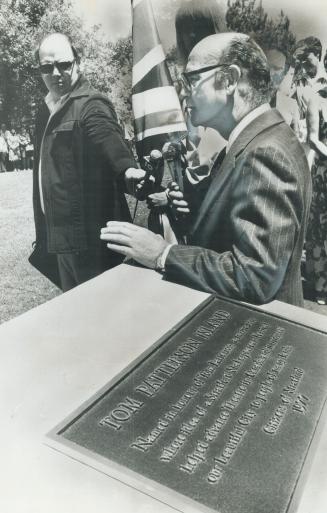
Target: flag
pixel 158 117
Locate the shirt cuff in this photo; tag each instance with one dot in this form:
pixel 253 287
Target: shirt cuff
pixel 161 260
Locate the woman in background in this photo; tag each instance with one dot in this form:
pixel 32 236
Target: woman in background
pixel 29 151
pixel 311 80
pixel 316 242
pixel 24 140
pixel 13 147
pixel 282 77
pixel 306 57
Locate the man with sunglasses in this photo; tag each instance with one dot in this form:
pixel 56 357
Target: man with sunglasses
pixel 82 166
pixel 245 240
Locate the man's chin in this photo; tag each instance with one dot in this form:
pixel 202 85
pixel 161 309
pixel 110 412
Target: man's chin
pixel 59 90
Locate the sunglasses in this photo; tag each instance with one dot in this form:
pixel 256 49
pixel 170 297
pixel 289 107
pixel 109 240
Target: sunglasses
pixel 47 69
pixel 189 78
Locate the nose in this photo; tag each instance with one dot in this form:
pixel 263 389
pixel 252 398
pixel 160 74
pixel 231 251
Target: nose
pixel 56 72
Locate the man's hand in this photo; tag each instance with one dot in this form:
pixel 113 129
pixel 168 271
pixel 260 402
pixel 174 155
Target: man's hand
pixel 133 177
pixel 157 200
pixel 138 182
pixel 176 197
pixel 134 242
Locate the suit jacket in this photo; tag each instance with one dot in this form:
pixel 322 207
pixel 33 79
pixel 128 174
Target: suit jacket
pixel 246 240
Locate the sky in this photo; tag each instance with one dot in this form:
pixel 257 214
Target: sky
pixel 308 17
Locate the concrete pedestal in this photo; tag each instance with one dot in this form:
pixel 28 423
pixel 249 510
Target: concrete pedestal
pixel 56 356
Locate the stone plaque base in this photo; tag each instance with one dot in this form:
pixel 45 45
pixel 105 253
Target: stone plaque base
pixel 220 415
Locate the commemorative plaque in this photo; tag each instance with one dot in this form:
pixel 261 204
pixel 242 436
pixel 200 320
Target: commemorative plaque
pixel 220 415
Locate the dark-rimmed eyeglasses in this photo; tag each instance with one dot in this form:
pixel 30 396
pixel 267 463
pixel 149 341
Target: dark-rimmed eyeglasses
pixel 62 66
pixel 189 78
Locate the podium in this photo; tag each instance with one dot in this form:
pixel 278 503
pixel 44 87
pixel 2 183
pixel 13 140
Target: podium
pixel 57 355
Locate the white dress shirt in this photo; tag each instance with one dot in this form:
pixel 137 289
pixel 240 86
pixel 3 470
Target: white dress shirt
pixel 245 122
pixel 53 103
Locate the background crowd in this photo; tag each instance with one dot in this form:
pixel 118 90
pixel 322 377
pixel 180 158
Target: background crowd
pixel 300 80
pixel 16 149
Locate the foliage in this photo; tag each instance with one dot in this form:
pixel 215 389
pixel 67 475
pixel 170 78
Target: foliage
pixel 108 66
pixel 16 38
pixel 247 17
pixel 120 63
pixel 23 23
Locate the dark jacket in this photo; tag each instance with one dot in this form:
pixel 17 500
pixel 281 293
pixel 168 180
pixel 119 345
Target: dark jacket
pixel 84 157
pixel 246 241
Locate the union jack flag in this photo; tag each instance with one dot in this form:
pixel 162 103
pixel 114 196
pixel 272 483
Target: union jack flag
pixel 158 117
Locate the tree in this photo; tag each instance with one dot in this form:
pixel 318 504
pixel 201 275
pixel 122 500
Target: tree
pixel 23 23
pixel 16 68
pixel 247 17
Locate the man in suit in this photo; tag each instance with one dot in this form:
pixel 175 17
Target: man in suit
pixel 82 165
pixel 245 241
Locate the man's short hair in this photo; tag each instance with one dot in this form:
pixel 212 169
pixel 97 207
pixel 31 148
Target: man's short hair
pixel 306 46
pixel 76 54
pixel 302 50
pixel 247 54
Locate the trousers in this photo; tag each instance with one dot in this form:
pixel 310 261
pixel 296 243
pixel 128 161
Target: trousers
pixel 76 268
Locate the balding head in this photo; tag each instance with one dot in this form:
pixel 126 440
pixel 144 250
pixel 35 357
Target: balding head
pixel 58 62
pixel 54 41
pixel 209 51
pixel 236 49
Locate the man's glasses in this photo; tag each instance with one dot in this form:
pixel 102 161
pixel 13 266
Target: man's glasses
pixel 62 66
pixel 190 78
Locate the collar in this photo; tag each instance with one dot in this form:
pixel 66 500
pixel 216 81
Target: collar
pixel 80 88
pixel 245 122
pixel 53 102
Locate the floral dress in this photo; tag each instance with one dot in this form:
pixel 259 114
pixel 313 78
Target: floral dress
pixel 316 241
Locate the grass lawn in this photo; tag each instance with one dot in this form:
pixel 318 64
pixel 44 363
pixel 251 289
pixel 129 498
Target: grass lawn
pixel 21 286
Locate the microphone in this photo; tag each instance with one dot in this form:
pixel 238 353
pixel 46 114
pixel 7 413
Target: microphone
pixel 155 155
pixel 152 165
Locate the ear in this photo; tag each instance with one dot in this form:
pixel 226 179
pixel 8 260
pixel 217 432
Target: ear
pixel 233 77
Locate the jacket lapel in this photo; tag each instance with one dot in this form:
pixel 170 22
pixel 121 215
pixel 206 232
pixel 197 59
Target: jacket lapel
pixel 257 126
pixel 81 88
